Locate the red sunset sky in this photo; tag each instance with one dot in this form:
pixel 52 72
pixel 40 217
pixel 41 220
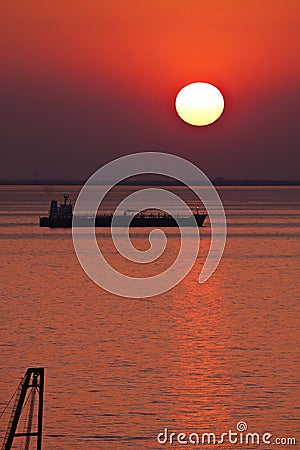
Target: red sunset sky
pixel 85 81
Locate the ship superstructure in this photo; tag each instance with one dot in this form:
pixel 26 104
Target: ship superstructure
pixel 60 216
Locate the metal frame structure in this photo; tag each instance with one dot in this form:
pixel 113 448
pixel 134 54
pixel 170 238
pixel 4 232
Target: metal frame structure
pixel 34 380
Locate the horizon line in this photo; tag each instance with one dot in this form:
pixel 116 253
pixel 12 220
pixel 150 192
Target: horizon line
pixel 217 181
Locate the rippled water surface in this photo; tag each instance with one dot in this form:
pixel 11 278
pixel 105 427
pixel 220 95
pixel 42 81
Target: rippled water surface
pixel 197 358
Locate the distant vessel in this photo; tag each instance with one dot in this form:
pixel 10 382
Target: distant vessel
pixel 62 217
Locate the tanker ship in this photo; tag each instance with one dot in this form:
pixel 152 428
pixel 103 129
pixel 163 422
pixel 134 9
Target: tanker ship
pixel 61 216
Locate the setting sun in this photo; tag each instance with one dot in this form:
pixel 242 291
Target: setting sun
pixel 199 103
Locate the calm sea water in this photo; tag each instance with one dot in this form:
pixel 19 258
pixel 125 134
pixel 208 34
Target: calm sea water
pixel 199 358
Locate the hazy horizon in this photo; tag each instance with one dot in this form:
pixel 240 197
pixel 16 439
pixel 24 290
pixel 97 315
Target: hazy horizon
pixel 219 181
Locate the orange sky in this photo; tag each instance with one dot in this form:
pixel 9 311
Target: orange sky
pixel 132 57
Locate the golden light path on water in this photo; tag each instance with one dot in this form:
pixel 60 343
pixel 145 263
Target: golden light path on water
pixel 197 358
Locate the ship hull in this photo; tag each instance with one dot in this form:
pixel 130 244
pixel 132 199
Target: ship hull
pixel 136 222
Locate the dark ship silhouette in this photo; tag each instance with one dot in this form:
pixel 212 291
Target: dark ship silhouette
pixel 62 217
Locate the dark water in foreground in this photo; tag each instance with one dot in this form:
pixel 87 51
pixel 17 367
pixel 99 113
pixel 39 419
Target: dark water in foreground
pixel 197 358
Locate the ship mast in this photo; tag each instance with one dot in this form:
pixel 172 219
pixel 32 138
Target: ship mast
pixel 30 387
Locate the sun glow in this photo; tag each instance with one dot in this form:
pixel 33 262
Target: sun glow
pixel 199 103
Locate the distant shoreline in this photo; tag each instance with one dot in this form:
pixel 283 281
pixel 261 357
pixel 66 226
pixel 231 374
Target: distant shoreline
pixel 216 182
